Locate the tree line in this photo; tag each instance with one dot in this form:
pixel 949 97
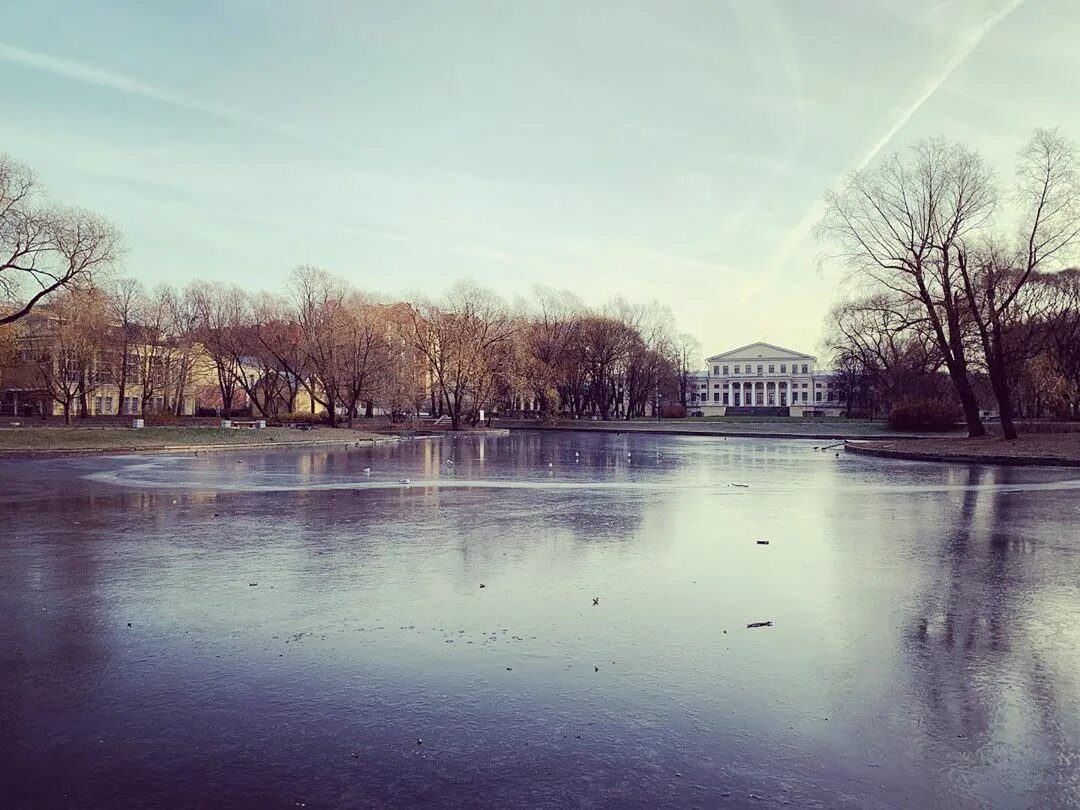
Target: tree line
pixel 955 274
pixel 347 353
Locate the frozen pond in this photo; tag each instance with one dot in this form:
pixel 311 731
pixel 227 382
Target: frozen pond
pixel 276 628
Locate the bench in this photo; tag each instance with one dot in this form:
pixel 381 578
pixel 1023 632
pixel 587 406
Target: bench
pixel 244 424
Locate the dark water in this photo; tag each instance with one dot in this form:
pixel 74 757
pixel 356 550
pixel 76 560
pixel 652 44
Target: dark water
pixel 925 650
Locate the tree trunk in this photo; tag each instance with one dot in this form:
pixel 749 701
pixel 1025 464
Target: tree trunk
pixel 369 410
pixel 67 413
pixel 1003 395
pixel 122 385
pixel 999 380
pixel 970 405
pixel 83 404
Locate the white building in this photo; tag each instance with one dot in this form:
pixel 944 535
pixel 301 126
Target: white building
pixel 764 379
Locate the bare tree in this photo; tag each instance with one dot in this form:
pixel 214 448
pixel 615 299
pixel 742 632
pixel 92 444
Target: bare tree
pixel 219 319
pixel 64 343
pixel 996 274
pixel 151 346
pixel 279 344
pixel 605 344
pixel 1063 335
pixel 404 385
pixel 549 329
pixel 686 358
pixel 363 352
pixel 319 299
pixel 903 226
pixel 884 341
pixel 465 339
pixel 184 351
pixel 44 248
pixel 122 300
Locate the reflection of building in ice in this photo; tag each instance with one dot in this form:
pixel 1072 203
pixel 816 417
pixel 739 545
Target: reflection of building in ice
pixel 763 379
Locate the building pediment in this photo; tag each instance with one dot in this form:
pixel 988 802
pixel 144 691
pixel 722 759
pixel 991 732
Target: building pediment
pixel 760 350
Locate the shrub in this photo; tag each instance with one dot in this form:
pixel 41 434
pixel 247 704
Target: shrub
pixel 672 410
pixel 305 418
pixel 925 414
pixel 162 419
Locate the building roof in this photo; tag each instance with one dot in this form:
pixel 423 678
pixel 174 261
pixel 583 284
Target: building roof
pixel 760 349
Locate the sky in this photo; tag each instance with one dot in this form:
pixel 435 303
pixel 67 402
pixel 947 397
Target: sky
pixel 675 152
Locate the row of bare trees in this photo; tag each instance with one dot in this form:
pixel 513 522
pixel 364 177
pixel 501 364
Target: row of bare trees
pixel 351 354
pixel 619 360
pixel 85 338
pixel 955 275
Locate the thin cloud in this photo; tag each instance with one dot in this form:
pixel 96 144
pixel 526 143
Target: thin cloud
pixel 89 74
pixel 798 233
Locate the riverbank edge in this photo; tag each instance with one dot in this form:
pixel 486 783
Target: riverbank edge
pixel 678 430
pixel 865 447
pixel 167 449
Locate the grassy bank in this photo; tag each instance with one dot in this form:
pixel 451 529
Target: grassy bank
pixel 59 440
pixel 1041 449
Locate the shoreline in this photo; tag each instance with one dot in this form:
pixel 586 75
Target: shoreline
pixel 54 452
pixel 111 442
pixel 987 451
pixel 687 429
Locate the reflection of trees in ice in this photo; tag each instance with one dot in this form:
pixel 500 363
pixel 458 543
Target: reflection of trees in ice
pixel 979 658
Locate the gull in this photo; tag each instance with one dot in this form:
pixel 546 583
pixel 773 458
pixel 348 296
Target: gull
pixel 367 470
pixel 405 481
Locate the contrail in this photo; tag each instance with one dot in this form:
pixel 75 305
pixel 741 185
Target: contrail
pixel 798 233
pixel 82 72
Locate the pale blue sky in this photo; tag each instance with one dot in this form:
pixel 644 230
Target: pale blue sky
pixel 673 151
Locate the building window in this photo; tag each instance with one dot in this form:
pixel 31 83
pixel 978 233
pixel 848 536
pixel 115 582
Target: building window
pixel 716 397
pixel 783 368
pixel 759 369
pixel 804 396
pixel 97 406
pixel 725 370
pixel 736 369
pixel 725 398
pixel 716 369
pixel 805 369
pixel 818 397
pixel 108 405
pixel 772 368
